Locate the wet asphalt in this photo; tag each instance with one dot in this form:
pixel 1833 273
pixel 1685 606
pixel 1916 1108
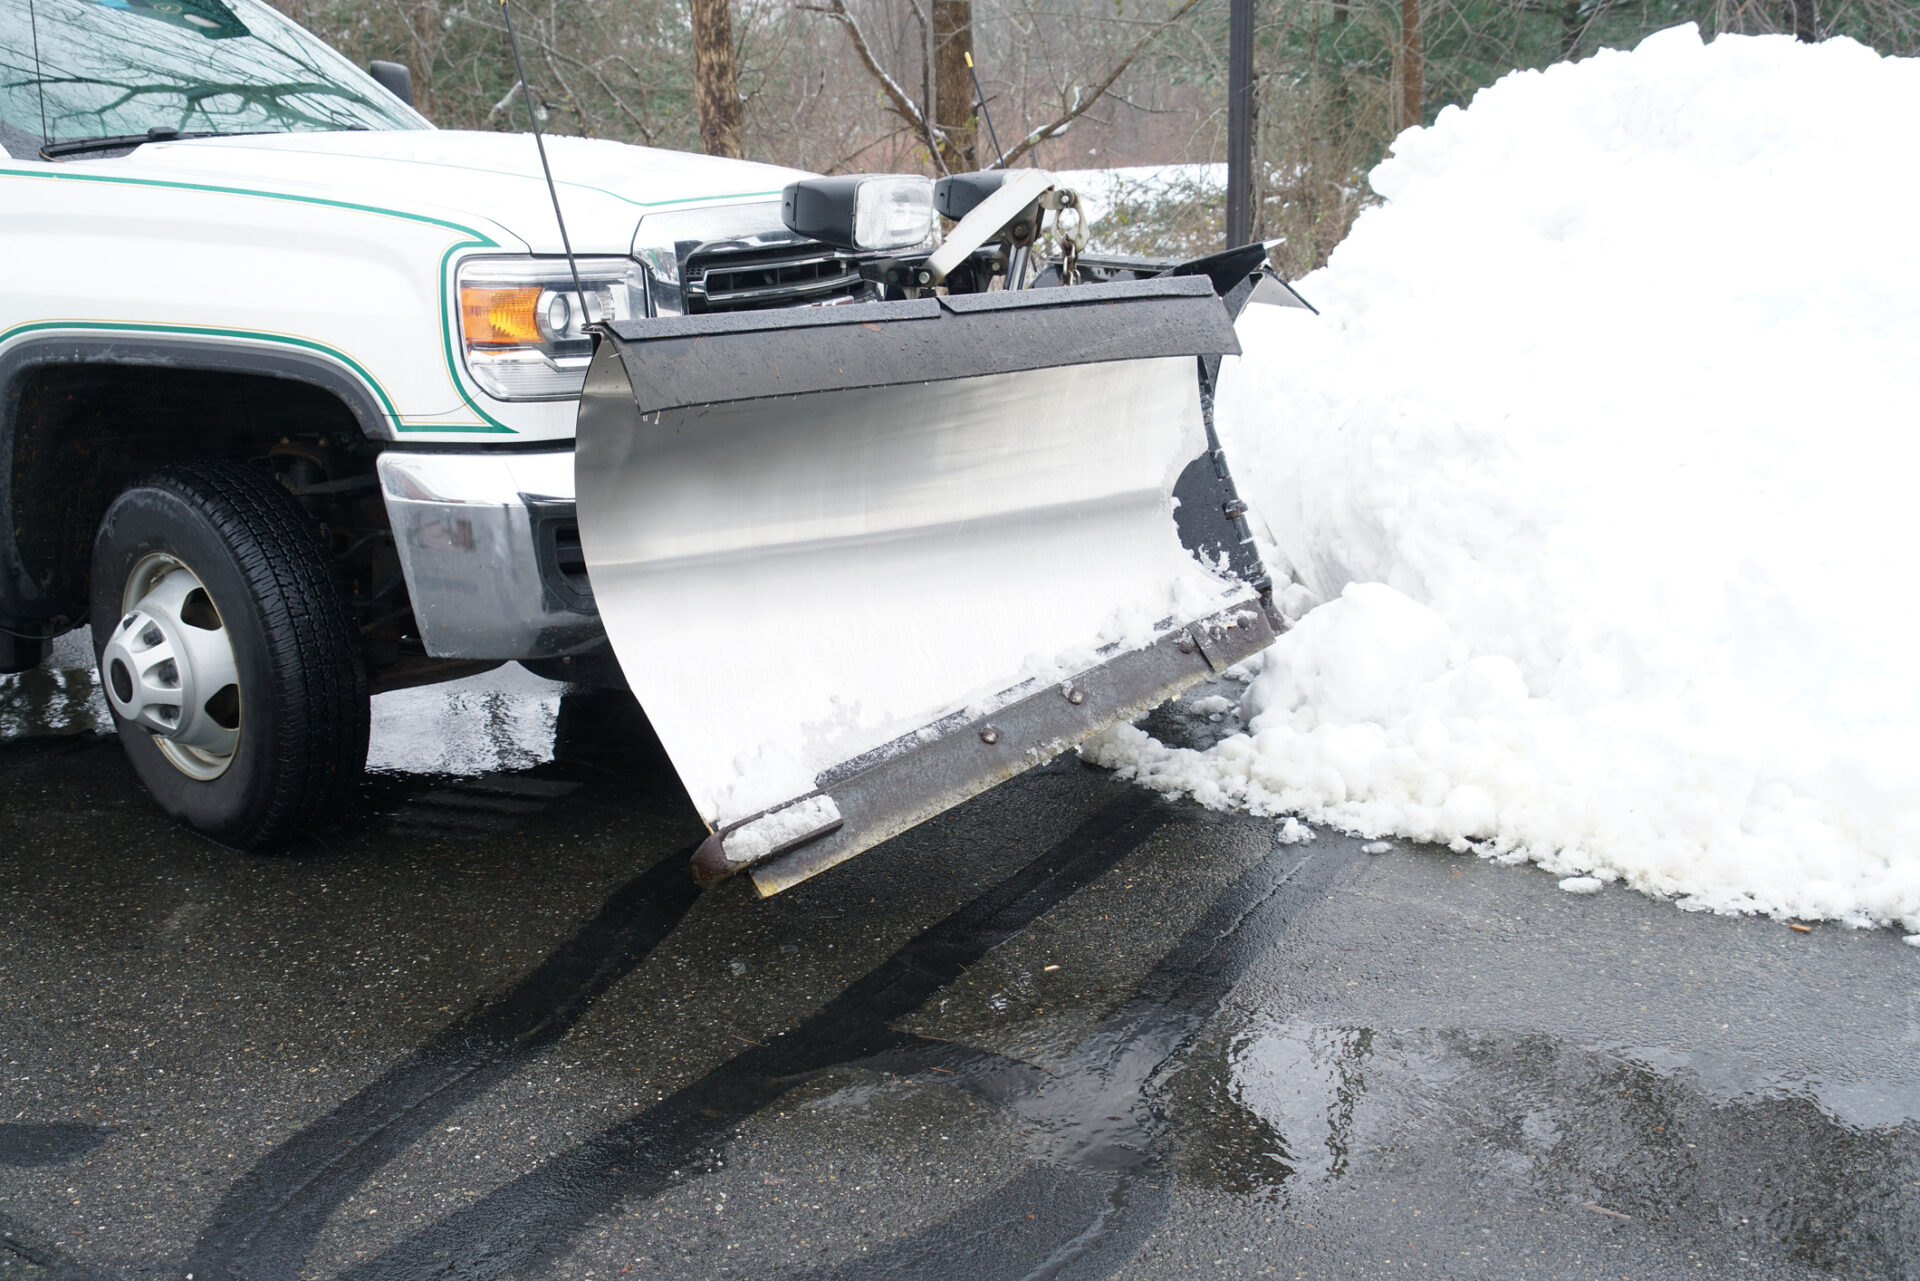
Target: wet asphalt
pixel 486 1027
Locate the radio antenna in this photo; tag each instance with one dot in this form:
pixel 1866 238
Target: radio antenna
pixel 980 96
pixel 39 73
pixel 553 192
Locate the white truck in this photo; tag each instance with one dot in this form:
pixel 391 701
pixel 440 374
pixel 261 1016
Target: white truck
pixel 290 388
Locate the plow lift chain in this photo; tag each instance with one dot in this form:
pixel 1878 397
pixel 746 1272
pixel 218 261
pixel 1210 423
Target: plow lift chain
pixel 861 563
pixel 1060 202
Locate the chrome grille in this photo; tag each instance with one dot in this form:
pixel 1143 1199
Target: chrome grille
pixel 787 276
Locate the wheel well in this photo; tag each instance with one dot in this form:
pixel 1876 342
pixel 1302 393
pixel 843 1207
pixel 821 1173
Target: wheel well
pixel 81 433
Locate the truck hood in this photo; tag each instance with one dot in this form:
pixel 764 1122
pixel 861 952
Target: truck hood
pixel 473 178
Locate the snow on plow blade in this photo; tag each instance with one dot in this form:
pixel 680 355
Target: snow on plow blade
pixel 862 563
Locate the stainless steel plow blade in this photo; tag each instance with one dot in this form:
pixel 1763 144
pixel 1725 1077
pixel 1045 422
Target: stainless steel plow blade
pixel 861 563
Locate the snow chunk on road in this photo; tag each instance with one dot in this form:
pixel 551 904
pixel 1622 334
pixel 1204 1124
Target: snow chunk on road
pixel 1595 476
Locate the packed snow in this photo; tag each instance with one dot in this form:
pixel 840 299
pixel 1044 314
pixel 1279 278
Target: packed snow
pixel 755 840
pixel 1593 486
pixel 504 719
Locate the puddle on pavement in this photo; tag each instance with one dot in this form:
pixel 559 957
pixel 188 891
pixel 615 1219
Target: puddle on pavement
pixel 1292 1113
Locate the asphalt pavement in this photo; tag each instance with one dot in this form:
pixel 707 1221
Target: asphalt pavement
pixel 485 1026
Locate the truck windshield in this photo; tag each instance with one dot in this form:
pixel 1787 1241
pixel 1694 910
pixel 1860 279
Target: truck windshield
pixel 131 68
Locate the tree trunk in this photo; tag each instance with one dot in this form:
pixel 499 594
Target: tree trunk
pixel 953 83
pixel 1411 87
pixel 716 84
pixel 1804 20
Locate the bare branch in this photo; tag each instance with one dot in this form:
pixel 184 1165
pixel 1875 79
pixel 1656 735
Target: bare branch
pixel 573 99
pixel 902 104
pixel 867 146
pixel 507 102
pixel 1082 102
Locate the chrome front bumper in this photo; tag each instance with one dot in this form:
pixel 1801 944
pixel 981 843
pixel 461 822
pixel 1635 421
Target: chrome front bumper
pixel 487 542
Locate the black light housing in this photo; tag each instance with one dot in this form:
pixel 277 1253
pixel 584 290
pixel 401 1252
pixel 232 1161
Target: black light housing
pixel 956 196
pixel 860 211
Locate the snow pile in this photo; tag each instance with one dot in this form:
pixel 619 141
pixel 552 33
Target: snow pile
pixel 1596 475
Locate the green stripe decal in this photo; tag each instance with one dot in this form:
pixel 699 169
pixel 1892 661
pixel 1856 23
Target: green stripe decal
pixel 473 239
pixel 250 335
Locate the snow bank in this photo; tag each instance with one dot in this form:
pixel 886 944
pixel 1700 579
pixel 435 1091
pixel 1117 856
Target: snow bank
pixel 1596 476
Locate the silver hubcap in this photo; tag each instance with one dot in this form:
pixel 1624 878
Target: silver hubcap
pixel 169 668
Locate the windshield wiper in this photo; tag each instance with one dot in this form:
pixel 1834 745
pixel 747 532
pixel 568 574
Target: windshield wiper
pixel 114 142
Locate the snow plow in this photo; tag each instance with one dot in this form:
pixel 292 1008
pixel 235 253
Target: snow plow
pixel 861 563
pixel 869 521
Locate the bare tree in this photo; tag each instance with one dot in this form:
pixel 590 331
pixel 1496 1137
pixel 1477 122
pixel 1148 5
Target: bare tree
pixel 943 145
pixel 716 82
pixel 1411 64
pixel 953 83
pixel 603 70
pixel 1080 100
pixel 952 130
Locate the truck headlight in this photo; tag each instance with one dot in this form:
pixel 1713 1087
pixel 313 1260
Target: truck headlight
pixel 523 327
pixel 860 211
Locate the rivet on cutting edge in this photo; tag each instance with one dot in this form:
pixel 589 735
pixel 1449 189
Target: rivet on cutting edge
pixel 989 735
pixel 1076 696
pixel 1184 645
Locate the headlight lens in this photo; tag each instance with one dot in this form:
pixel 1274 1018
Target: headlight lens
pixel 523 328
pixel 860 211
pixel 892 213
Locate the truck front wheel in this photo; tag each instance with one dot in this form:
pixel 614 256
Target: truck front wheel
pixel 235 679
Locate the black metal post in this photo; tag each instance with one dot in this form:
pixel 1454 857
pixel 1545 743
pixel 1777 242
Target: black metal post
pixel 1239 122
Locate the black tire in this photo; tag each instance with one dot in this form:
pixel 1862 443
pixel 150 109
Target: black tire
pixel 303 706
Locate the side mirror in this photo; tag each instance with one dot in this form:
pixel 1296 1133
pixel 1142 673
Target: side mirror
pixel 394 78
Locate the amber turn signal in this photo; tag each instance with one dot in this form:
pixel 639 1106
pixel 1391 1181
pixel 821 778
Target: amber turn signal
pixel 493 316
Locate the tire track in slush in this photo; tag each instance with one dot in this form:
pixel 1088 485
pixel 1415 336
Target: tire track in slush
pixel 266 1225
pixel 1097 1187
pixel 531 1220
